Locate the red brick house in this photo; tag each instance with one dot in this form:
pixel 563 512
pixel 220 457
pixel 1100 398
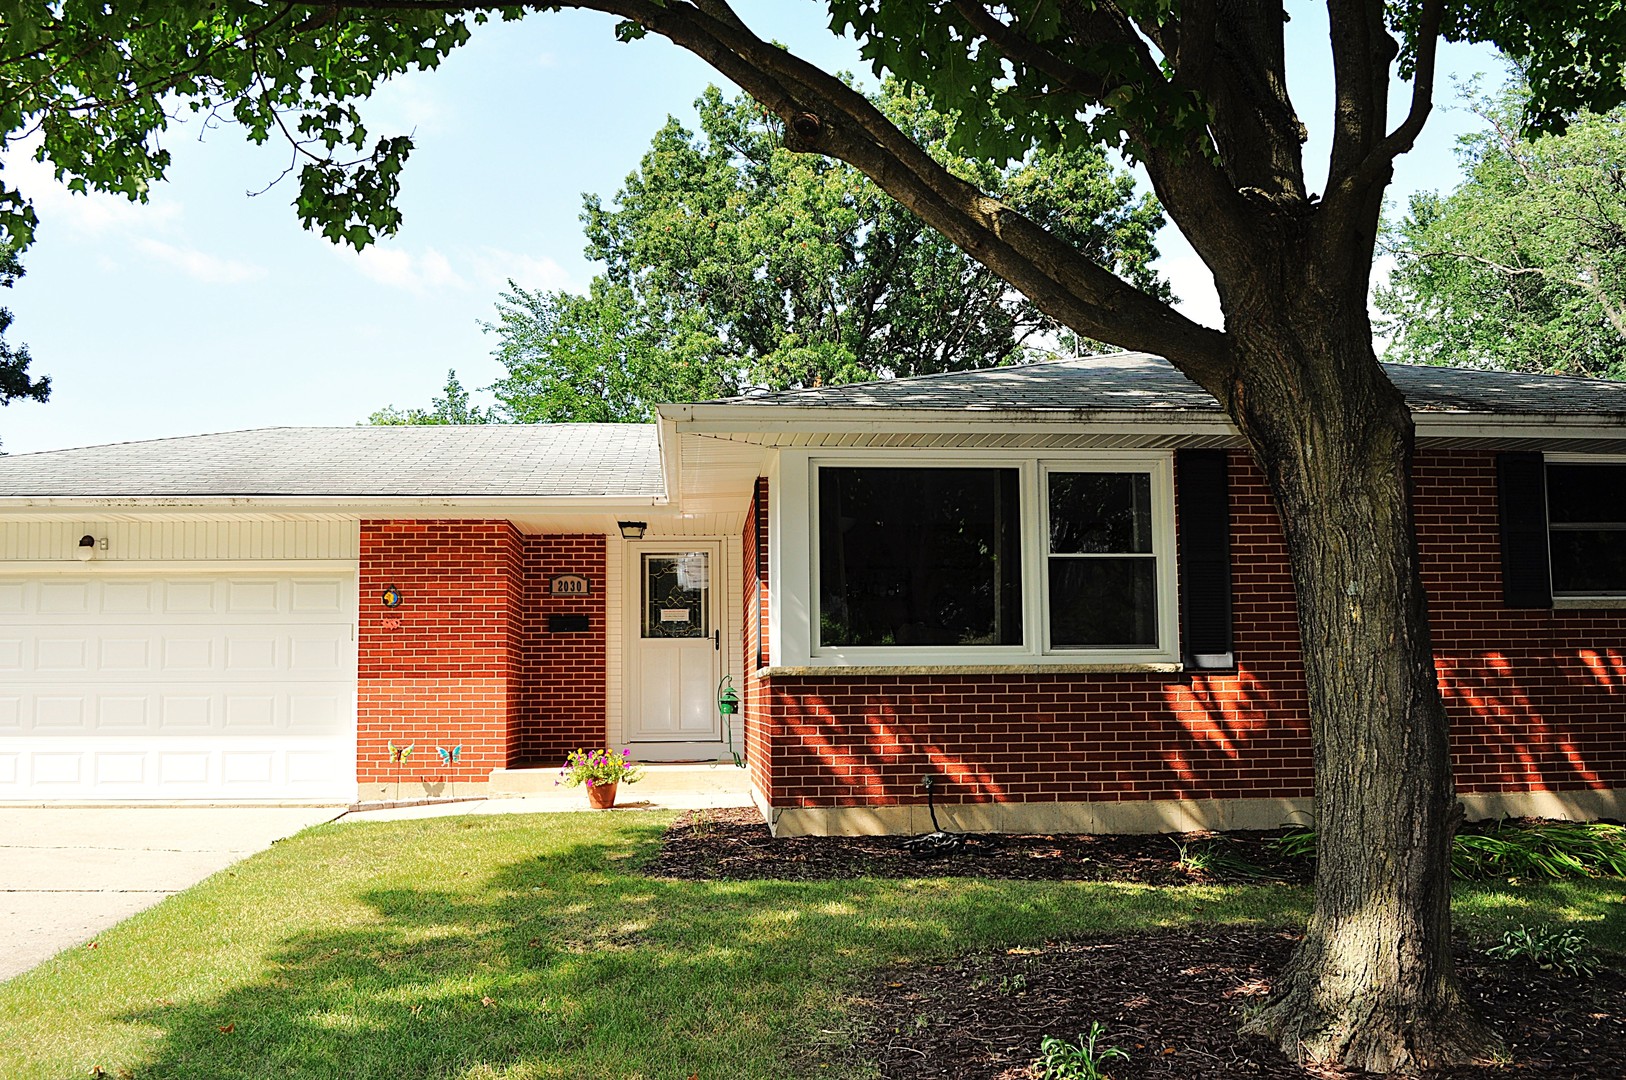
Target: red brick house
pixel 1060 589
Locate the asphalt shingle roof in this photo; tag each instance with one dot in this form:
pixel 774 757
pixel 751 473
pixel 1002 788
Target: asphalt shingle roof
pixel 1142 381
pixel 565 460
pixel 518 460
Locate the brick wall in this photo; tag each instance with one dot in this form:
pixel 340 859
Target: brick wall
pixel 1537 699
pixel 564 688
pixel 435 671
pixel 467 659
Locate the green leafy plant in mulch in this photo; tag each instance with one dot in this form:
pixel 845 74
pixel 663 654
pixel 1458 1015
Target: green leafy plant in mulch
pixel 1515 850
pixel 1563 950
pixel 1086 1059
pixel 1217 858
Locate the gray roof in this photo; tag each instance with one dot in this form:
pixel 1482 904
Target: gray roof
pixel 514 460
pixel 1140 381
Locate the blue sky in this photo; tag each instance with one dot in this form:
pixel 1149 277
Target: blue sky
pixel 208 310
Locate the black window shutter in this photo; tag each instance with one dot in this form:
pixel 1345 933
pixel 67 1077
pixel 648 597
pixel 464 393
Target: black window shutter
pixel 1521 494
pixel 1204 502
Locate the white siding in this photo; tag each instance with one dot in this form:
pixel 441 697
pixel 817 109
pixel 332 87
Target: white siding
pixel 180 540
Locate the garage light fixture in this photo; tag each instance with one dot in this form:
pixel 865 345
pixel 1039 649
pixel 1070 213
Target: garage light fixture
pixel 633 530
pixel 87 547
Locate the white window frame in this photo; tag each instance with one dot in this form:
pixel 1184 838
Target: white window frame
pixel 793 552
pixel 1583 599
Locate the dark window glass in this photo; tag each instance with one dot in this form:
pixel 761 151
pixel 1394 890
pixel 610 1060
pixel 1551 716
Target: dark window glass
pixel 1586 513
pixel 1098 513
pixel 1103 602
pixel 919 557
pixel 1103 569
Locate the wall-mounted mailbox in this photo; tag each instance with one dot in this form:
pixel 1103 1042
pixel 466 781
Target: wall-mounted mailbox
pixel 567 624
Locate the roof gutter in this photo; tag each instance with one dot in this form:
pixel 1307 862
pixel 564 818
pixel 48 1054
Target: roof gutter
pixel 732 419
pixel 360 505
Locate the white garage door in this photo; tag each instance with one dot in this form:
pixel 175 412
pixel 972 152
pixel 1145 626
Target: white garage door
pixel 177 687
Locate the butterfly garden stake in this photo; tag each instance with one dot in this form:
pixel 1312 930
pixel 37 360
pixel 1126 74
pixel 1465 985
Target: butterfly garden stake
pixel 399 755
pixel 448 759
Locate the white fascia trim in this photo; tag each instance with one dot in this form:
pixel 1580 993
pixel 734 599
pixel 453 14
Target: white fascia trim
pixel 790 419
pixel 670 448
pixel 357 506
pixel 1532 426
pixel 743 419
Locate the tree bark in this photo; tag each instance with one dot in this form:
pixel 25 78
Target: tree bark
pixel 1372 983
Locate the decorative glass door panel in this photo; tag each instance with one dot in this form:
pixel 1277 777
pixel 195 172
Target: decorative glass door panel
pixel 677 595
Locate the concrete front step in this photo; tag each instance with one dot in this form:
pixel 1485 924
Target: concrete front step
pixel 708 782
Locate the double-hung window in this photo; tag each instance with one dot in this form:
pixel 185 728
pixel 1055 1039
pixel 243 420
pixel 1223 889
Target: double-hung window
pixel 1101 562
pixel 1586 528
pixel 999 558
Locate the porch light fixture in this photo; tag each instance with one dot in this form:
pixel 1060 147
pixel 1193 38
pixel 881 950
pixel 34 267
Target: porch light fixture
pixel 87 547
pixel 633 530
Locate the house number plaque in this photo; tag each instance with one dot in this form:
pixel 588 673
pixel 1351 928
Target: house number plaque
pixel 570 585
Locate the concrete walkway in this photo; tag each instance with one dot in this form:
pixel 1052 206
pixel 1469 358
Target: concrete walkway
pixel 704 786
pixel 68 873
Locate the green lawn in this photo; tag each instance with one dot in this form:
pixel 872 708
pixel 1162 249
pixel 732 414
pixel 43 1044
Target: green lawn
pixel 528 946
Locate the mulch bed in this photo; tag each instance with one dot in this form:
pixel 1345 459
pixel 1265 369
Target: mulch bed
pixel 1171 999
pixel 705 845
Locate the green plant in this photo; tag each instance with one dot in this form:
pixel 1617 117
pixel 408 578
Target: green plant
pixel 1083 1060
pixel 1013 984
pixel 1215 857
pixel 1543 849
pixel 1296 843
pixel 595 767
pixel 1566 951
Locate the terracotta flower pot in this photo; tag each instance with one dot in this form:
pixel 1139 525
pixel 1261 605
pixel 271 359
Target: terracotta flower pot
pixel 601 796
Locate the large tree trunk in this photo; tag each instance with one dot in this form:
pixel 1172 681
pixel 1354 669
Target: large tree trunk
pixel 1372 983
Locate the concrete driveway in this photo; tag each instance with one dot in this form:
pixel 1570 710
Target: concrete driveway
pixel 68 873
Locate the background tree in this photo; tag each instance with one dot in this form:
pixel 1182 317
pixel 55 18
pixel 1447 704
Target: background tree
pixel 15 382
pixel 452 408
pixel 732 262
pixel 1198 93
pixel 1523 266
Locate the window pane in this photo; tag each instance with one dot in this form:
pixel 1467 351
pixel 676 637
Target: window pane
pixel 1580 494
pixel 1589 561
pixel 1100 513
pixel 919 557
pixel 1103 602
pixel 675 591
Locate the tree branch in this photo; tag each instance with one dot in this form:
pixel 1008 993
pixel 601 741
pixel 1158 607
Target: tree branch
pixel 823 115
pixel 1373 165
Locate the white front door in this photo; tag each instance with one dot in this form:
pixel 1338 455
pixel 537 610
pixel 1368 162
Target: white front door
pixel 675 646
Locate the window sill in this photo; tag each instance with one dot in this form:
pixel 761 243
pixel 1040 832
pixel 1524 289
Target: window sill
pixel 1588 603
pixel 971 669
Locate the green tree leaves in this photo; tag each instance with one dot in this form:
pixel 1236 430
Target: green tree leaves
pixel 732 262
pixel 1523 266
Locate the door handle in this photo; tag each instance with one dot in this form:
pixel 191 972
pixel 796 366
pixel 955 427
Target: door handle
pixel 717 640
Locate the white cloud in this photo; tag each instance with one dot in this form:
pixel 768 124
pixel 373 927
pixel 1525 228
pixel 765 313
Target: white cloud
pixel 493 267
pixel 409 105
pixel 92 214
pixel 416 274
pixel 200 265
